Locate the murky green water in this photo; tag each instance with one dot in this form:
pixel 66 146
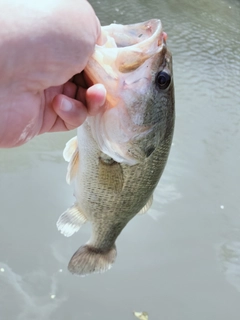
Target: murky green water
pixel 180 262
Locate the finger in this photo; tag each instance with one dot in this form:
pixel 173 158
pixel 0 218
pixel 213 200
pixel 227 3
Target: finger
pixel 81 95
pixel 71 113
pixel 69 89
pixel 95 98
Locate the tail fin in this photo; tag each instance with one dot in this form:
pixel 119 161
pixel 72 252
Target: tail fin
pixel 88 259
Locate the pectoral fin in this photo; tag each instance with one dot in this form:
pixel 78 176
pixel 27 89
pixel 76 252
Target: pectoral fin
pixel 147 206
pixel 110 175
pixel 71 221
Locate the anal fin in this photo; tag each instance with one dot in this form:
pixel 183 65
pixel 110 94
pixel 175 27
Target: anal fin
pixel 71 221
pixel 147 206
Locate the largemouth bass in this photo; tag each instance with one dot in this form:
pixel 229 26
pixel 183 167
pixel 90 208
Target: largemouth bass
pixel 118 156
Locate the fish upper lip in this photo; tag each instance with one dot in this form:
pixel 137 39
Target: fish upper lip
pixel 153 27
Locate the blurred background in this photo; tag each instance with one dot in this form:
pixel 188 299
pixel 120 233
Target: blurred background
pixel 182 260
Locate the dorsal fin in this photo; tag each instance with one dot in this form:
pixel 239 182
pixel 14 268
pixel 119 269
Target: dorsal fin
pixel 72 167
pixel 70 148
pixel 71 154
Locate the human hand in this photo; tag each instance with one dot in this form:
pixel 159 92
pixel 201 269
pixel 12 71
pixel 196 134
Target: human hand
pixel 43 45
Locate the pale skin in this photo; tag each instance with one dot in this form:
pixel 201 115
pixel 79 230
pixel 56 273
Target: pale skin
pixel 44 46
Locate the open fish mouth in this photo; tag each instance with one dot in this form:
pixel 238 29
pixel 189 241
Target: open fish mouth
pixel 126 63
pixel 125 48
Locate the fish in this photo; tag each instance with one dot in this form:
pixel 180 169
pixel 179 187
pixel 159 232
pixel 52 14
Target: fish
pixel 118 156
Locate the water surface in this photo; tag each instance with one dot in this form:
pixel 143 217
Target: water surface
pixel 182 260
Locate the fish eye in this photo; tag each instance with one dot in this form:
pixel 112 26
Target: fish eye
pixel 163 80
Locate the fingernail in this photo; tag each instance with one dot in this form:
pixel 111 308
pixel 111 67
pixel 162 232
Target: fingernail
pixel 100 87
pixel 66 105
